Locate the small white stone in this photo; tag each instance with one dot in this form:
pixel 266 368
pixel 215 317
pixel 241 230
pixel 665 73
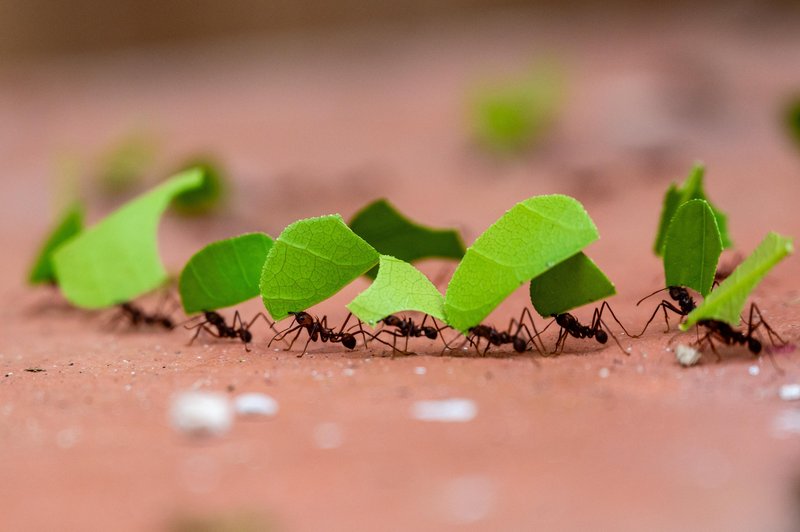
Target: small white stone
pixel 201 413
pixel 447 410
pixel 790 392
pixel 604 373
pixel 419 370
pixel 753 370
pixel 255 404
pixel 687 355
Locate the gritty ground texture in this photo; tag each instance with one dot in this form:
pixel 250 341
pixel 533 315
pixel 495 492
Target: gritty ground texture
pixel 596 439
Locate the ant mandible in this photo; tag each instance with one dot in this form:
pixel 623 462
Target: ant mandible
pixel 571 326
pixel 213 320
pixel 680 295
pixel 318 330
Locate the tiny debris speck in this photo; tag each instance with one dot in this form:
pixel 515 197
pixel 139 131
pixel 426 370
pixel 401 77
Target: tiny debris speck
pixel 790 392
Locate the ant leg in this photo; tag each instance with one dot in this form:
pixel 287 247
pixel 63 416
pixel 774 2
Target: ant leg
pixel 203 327
pixel 604 306
pixel 282 334
pixel 530 339
pixel 560 342
pixel 305 347
pixel 526 312
pixel 707 338
pixel 266 319
pixel 664 305
pixel 761 321
pixel 439 330
pixel 651 295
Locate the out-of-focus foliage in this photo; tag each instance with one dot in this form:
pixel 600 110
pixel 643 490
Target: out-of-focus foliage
pixel 123 167
pixel 792 120
pixel 207 198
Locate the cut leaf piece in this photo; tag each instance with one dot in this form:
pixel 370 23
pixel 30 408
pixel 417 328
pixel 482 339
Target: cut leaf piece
pixel 311 260
pixel 224 273
pixel 117 259
pixel 391 233
pixel 570 284
pixel 398 287
pixel 727 301
pixel 526 241
pixel 676 196
pixel 692 247
pixel 206 198
pixel 70 224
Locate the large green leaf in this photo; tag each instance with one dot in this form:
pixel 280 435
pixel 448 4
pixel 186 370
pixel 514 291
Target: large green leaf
pixel 391 233
pixel 311 260
pixel 692 247
pixel 117 259
pixel 526 241
pixel 398 287
pixel 570 284
pixel 676 196
pixel 727 301
pixel 70 224
pixel 224 273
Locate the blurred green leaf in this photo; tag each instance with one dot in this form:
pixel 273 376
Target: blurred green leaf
pixel 126 164
pixel 526 241
pixel 224 273
pixel 692 247
pixel 391 233
pixel 398 287
pixel 311 260
pixel 117 259
pixel 792 120
pixel 572 283
pixel 676 196
pixel 727 301
pixel 69 224
pixel 206 198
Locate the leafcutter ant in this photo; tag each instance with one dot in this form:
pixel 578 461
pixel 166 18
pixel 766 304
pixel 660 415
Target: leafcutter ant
pixel 215 325
pixel 571 326
pixel 318 330
pixel 680 295
pixel 726 334
pixel 497 338
pixel 136 315
pixel 407 328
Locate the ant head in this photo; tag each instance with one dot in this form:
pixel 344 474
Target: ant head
pixel 564 320
pixel 245 335
pixel 167 323
pixel 302 318
pixel 392 321
pixel 520 345
pixel 480 330
pixel 430 332
pixel 213 317
pixel 349 341
pixel 601 336
pixel 754 345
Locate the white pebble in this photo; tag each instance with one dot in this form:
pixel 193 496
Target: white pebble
pixel 790 392
pixel 754 370
pixel 419 370
pixel 201 413
pixel 255 404
pixel 328 435
pixel 686 355
pixel 447 410
pixel 604 373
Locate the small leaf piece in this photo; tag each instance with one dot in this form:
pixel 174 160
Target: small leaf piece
pixel 398 287
pixel 727 301
pixel 391 233
pixel 676 196
pixel 570 284
pixel 70 224
pixel 692 247
pixel 224 273
pixel 311 260
pixel 206 198
pixel 526 241
pixel 117 259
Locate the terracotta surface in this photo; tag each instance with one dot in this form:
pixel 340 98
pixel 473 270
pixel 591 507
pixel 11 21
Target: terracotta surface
pixel 596 439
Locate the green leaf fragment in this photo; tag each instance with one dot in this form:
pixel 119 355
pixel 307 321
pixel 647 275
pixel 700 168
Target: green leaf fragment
pixel 792 120
pixel 727 301
pixel 224 273
pixel 676 196
pixel 532 237
pixel 398 287
pixel 692 247
pixel 70 224
pixel 311 260
pixel 117 259
pixel 570 284
pixel 391 233
pixel 206 198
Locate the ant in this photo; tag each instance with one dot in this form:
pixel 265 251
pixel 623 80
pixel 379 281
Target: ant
pixel 136 315
pixel 318 329
pixel 680 295
pixel 498 338
pixel 406 328
pixel 725 333
pixel 571 326
pixel 214 320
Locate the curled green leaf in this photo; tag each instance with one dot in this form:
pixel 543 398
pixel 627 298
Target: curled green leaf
pixel 676 196
pixel 692 247
pixel 311 260
pixel 206 198
pixel 570 284
pixel 526 241
pixel 117 259
pixel 224 273
pixel 69 225
pixel 728 300
pixel 391 233
pixel 398 287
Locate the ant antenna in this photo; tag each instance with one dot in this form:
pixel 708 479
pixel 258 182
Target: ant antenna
pixel 651 295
